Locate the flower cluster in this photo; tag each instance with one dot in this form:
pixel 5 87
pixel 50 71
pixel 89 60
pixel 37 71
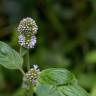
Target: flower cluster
pixel 27 30
pixel 31 77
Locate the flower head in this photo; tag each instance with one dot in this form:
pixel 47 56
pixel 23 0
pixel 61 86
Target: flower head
pixel 31 76
pixel 27 27
pixel 27 30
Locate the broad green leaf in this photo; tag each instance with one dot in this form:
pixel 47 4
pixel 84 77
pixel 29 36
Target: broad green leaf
pixel 58 82
pixel 57 76
pixel 9 58
pixel 73 90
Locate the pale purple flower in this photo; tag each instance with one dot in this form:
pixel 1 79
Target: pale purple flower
pixel 27 43
pixel 32 42
pixel 21 40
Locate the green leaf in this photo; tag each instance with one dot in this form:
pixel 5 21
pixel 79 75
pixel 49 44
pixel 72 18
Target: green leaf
pixel 9 58
pixel 58 82
pixel 23 51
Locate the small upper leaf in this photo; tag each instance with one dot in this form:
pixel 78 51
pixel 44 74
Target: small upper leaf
pixel 9 58
pixel 23 51
pixel 58 82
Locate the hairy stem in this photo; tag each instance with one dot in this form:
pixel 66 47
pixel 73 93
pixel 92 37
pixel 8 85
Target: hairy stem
pixel 25 52
pixel 30 90
pixel 27 60
pixel 21 70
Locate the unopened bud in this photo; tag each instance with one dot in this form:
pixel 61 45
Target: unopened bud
pixel 31 77
pixel 27 27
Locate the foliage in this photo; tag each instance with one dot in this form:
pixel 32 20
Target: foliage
pixel 66 38
pixel 51 82
pixel 9 58
pixel 58 82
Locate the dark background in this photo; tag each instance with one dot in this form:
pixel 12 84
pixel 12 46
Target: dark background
pixel 66 38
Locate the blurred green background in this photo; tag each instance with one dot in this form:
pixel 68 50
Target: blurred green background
pixel 66 38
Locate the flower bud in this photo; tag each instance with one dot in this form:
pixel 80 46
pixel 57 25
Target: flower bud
pixel 27 27
pixel 31 77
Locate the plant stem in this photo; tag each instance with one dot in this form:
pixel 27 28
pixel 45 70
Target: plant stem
pixel 24 51
pixel 21 70
pixel 30 90
pixel 21 50
pixel 27 60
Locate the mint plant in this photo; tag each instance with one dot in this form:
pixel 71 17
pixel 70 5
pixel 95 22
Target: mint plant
pixel 49 82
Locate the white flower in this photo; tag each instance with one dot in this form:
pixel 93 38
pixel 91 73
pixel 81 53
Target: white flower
pixel 27 30
pixel 35 67
pixel 31 76
pixel 28 26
